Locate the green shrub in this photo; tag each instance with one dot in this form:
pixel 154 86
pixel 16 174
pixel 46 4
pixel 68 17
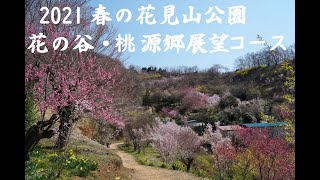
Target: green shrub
pixel 163 165
pixel 228 101
pixel 253 93
pixel 178 166
pixel 142 161
pixel 248 118
pixel 198 172
pixel 203 164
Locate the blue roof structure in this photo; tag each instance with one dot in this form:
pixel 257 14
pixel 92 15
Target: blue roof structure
pixel 192 120
pixel 265 124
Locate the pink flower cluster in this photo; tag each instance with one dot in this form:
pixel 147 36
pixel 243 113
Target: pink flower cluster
pixel 58 79
pixel 172 141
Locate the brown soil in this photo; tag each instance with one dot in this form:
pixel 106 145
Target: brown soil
pixel 141 172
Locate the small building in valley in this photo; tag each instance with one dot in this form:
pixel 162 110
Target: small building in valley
pixel 195 123
pixel 275 128
pixel 228 131
pixel 264 125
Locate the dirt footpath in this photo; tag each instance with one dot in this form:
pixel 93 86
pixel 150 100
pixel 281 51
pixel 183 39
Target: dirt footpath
pixel 141 172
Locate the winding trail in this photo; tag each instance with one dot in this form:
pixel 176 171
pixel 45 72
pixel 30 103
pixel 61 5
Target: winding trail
pixel 141 172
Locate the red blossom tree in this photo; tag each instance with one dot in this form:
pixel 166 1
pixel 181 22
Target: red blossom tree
pixel 224 154
pixel 273 158
pixel 223 151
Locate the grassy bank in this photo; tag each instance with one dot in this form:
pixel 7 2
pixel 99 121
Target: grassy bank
pixel 83 159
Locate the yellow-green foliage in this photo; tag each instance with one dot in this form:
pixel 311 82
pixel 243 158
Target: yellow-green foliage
pixel 202 89
pixel 151 76
pixel 133 113
pixel 243 72
pixel 178 165
pixel 246 71
pixel 243 166
pixel 287 68
pixel 203 165
pixel 290 81
pixel 266 118
pixel 290 132
pixel 289 98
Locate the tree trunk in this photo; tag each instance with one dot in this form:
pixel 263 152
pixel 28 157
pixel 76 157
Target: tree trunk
pixel 135 145
pixel 189 164
pixel 37 132
pixel 66 122
pixel 64 130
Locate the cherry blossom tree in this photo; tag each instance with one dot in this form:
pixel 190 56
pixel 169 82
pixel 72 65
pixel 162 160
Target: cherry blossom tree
pixel 137 128
pixel 213 100
pixel 139 138
pixel 188 145
pixel 211 137
pixel 164 140
pixel 192 100
pixel 174 142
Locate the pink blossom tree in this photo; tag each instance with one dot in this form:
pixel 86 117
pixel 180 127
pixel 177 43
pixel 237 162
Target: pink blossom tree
pixel 174 142
pixel 192 100
pixel 170 112
pixel 69 86
pixel 138 139
pixel 188 145
pixel 141 137
pixel 213 100
pixel 164 140
pixel 68 82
